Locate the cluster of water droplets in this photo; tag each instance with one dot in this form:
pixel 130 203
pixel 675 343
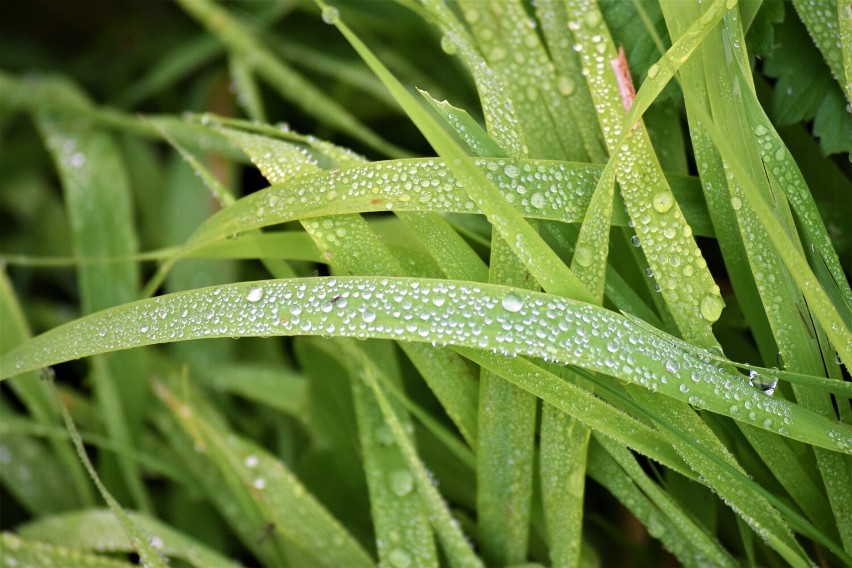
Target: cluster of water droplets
pixel 443 313
pixel 663 233
pixel 538 189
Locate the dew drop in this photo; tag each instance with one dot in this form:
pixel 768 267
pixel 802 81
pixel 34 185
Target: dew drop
pixel 255 294
pixel 653 70
pixel 399 558
pixel 765 384
pixel 401 482
pixel 663 201
pixel 537 200
pixel 635 240
pixel 760 130
pixel 512 303
pixel 330 15
pixel 711 307
pixel 593 18
pixel 583 256
pixel 369 316
pixel 565 85
pixel 511 170
pixel 251 461
pixel 736 203
pixel 448 45
pixel 260 483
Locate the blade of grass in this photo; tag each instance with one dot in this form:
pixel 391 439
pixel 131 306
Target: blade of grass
pixel 97 529
pixel 286 81
pixel 258 309
pixel 91 172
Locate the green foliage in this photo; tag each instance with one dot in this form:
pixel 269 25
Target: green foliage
pixel 577 314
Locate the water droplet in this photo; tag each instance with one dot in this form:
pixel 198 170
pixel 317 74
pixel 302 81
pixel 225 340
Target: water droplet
pixel 369 316
pixel 635 240
pixel 537 200
pixel 384 436
pixel 255 294
pixel 565 85
pixel 330 15
pixel 583 256
pixel 653 70
pixel 663 201
pixel 448 44
pixel 760 130
pixel 251 461
pixel 260 483
pixel 77 160
pixel 512 303
pixel 399 558
pixel 736 203
pixel 401 482
pixel 711 307
pixel 593 18
pixel 511 170
pixel 766 384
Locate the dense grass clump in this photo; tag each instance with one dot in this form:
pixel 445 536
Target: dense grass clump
pixel 552 283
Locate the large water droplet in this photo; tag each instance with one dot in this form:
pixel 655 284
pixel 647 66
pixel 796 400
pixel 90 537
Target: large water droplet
pixel 537 200
pixel 663 201
pixel 711 307
pixel 399 558
pixel 766 384
pixel 653 70
pixel 565 85
pixel 401 482
pixel 448 44
pixel 512 303
pixel 330 15
pixel 255 294
pixel 583 256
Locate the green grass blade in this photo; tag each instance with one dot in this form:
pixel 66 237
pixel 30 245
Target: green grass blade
pixel 821 17
pixel 259 309
pixel 97 529
pixel 287 82
pixel 91 172
pixel 360 252
pixel 141 543
pixel 508 40
pixel 270 487
pixel 23 552
pixel 37 399
pixel 677 263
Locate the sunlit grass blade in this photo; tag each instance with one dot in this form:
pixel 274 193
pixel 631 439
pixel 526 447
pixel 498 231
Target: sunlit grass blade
pixel 98 530
pixel 553 19
pixel 667 240
pixel 507 39
pixel 351 247
pixel 465 127
pixel 501 119
pixel 844 18
pixel 260 308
